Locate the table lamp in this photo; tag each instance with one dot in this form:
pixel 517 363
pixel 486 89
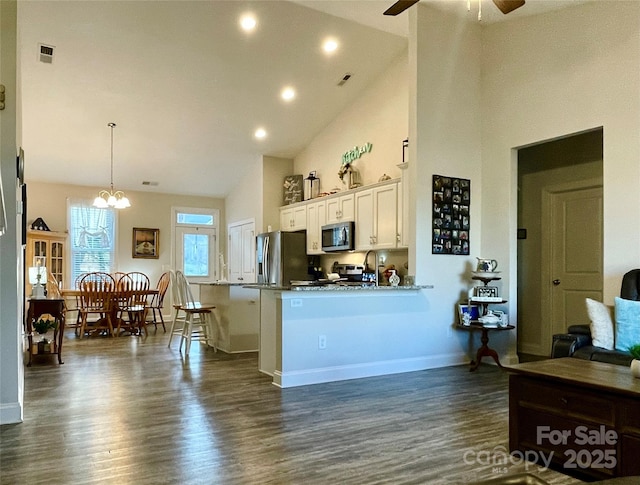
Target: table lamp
pixel 37 278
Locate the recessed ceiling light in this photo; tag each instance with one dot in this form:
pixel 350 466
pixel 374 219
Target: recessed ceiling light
pixel 248 22
pixel 330 46
pixel 260 133
pixel 288 93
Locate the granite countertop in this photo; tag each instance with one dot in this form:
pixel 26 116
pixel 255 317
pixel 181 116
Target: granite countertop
pixel 221 283
pixel 339 288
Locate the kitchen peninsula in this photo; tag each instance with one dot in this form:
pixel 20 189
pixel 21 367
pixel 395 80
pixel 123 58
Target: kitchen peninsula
pixel 310 335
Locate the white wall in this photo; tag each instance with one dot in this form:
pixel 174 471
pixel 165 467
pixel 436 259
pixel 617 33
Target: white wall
pixel 553 75
pixel 259 193
pixel 245 200
pixel 445 139
pixel 275 170
pixel 11 360
pixel 380 117
pixel 148 209
pixel 549 76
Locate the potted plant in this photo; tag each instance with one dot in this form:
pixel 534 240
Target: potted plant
pixel 634 350
pixel 42 326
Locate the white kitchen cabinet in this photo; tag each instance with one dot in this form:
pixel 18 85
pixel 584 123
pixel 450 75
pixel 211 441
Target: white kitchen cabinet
pixel 241 252
pixel 341 209
pixel 316 218
pixel 293 218
pixel 377 218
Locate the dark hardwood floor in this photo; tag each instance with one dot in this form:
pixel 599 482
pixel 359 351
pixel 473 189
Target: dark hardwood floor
pixel 132 411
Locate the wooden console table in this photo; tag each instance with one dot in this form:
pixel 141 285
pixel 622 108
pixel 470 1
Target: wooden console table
pixel 55 308
pixel 583 413
pixel 484 350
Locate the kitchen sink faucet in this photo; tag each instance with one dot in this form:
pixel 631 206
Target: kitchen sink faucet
pixel 366 264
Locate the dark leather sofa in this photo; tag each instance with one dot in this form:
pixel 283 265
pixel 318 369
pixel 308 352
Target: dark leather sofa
pixel 577 342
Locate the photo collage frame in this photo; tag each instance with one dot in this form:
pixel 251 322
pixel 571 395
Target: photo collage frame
pixel 451 217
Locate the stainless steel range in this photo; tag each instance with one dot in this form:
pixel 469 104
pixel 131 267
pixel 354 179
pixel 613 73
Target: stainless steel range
pixel 353 274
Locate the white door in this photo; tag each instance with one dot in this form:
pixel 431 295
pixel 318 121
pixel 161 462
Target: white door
pixel 575 254
pixel 234 250
pixel 248 254
pixel 242 252
pixel 195 253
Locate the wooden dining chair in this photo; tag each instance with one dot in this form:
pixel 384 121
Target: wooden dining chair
pixel 157 301
pixel 197 325
pixel 96 295
pixel 133 291
pixel 74 323
pixel 117 276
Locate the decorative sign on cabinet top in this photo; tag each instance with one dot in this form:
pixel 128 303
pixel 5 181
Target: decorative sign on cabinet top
pixel 355 153
pixel 292 189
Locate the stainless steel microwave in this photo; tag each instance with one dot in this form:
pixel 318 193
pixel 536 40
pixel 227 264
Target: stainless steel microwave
pixel 338 237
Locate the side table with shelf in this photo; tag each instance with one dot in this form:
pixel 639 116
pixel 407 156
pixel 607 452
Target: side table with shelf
pixel 38 307
pixel 483 303
pixel 476 325
pixel 484 350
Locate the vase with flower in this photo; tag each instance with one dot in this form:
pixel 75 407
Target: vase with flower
pixel 42 326
pixel 352 175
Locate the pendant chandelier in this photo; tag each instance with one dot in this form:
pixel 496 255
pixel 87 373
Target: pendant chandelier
pixel 109 198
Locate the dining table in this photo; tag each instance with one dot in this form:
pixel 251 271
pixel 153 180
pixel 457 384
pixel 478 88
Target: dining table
pixel 117 297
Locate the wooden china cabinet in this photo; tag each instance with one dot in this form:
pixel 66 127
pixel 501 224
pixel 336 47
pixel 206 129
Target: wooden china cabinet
pixel 51 247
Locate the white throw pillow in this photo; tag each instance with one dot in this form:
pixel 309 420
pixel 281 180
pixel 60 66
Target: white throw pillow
pixel 601 324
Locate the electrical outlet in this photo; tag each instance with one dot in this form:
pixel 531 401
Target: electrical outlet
pixel 322 342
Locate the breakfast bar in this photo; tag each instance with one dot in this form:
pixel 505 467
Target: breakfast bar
pixel 310 335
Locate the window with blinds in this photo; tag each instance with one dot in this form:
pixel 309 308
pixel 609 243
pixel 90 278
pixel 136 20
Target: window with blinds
pixel 92 239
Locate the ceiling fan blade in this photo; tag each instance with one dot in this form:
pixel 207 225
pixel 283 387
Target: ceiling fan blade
pixel 507 6
pixel 399 7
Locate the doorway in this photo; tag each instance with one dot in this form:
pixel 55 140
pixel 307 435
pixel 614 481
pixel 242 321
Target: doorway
pixel 559 237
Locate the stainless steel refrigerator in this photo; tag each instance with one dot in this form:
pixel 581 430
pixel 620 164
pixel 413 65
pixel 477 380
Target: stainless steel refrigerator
pixel 281 257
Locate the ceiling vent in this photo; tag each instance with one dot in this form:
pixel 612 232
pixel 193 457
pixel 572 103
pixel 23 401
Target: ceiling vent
pixel 344 79
pixel 46 53
pixel 149 183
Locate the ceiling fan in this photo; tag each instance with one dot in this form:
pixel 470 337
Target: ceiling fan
pixel 505 6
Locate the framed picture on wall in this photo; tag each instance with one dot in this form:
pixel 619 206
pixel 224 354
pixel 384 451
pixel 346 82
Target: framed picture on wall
pixel 450 215
pixel 145 243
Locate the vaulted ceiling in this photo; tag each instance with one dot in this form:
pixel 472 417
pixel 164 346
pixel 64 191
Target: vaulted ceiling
pixel 187 87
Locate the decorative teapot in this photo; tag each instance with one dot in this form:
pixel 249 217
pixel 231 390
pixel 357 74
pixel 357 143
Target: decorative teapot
pixel 490 318
pixel 486 265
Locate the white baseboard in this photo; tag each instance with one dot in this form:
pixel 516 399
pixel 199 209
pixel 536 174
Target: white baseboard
pixel 10 413
pixel 369 369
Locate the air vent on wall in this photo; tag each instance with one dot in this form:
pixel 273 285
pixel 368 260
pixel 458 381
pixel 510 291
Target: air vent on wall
pixel 46 53
pixel 149 183
pixel 344 79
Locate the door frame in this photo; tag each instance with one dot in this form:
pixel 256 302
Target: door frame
pixel 216 227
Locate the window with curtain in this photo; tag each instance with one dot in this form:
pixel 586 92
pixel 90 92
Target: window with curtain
pixel 92 234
